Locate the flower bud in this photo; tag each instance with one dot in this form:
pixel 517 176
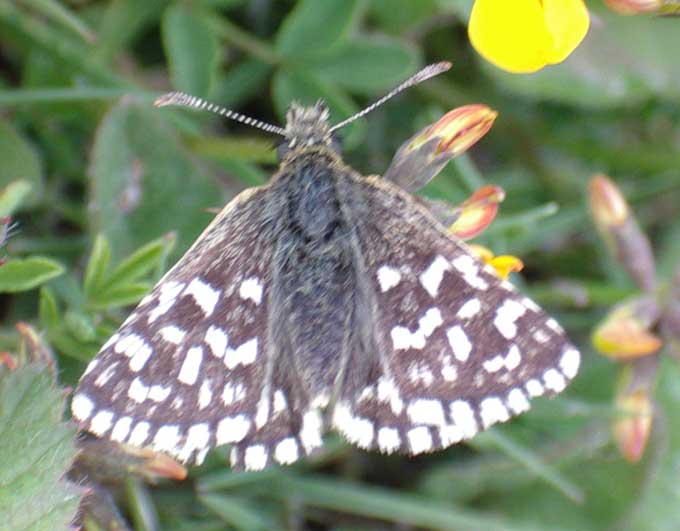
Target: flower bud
pixel 108 461
pixel 634 411
pixel 424 155
pixel 625 332
pixel 633 7
pixel 477 212
pixel 621 233
pixel 503 265
pixel 607 204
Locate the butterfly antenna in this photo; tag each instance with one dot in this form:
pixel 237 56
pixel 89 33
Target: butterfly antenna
pixel 186 100
pixel 420 76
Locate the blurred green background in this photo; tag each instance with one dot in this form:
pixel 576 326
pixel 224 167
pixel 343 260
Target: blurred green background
pixel 83 153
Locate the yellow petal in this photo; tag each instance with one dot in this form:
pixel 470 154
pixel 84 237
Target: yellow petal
pixel 523 36
pixel 510 34
pixel 567 22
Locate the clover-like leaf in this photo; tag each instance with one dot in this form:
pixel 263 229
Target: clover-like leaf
pixel 37 450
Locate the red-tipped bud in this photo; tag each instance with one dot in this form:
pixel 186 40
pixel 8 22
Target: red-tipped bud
pixel 634 409
pixel 424 155
pixel 634 7
pixel 477 212
pixel 625 332
pixel 621 233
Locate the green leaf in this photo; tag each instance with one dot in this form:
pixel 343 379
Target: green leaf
pixel 192 49
pixel 138 264
pixel 80 326
pixel 241 82
pixel 236 511
pixel 48 309
pixel 12 196
pixel 144 184
pixel 28 273
pixel 366 65
pixel 314 27
pixel 120 295
pixel 97 265
pixel 295 85
pixel 20 162
pixel 37 450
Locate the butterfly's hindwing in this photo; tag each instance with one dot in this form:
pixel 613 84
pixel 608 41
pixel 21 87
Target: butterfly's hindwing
pixel 190 368
pixel 459 349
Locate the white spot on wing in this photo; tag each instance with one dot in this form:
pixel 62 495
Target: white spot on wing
pixel 217 340
pixel 204 395
pixel 469 268
pixel 388 278
pixel 280 403
pixel 506 315
pixel 426 411
pixel 460 344
pixel 172 334
pixel 517 401
pixel 101 422
pixel 138 391
pixel 388 440
pixel 121 429
pixel 140 358
pixel 91 366
pixel 464 418
pixel 81 406
pixel 286 451
pixel 469 309
pixel 166 439
pixel 159 393
pixel 262 412
pixel 251 288
pixel 389 392
pixel 419 439
pixel 244 354
pixel 198 437
pixel 434 274
pixel 232 429
pixel 256 457
pixel 570 361
pixel 191 365
pixel 357 430
pixel 205 296
pixel 310 434
pixel 450 434
pixel 554 380
pixel 534 388
pixel 403 338
pixel 492 410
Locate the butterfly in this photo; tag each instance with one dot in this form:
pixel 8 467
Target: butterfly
pixel 322 300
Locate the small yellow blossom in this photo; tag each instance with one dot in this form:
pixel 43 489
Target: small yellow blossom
pixel 523 36
pixel 503 264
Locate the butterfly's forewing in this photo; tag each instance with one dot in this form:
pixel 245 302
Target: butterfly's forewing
pixel 190 368
pixel 459 348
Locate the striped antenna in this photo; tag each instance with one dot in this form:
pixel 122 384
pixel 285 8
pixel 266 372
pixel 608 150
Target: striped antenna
pixel 186 100
pixel 420 76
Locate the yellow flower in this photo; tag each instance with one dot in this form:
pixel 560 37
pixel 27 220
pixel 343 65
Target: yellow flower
pixel 523 36
pixel 503 264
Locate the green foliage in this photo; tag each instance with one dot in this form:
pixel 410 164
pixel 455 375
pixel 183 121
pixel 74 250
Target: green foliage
pixel 37 450
pixel 108 192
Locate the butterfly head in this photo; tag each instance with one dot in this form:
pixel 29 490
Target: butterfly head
pixel 308 126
